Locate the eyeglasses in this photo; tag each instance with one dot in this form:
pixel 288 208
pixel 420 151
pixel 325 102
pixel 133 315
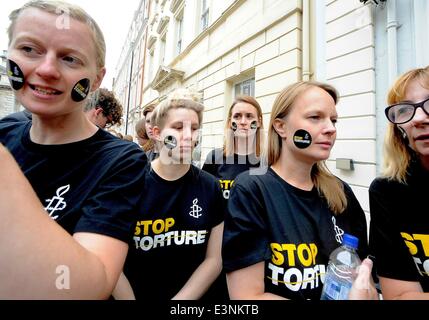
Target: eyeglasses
pixel 403 112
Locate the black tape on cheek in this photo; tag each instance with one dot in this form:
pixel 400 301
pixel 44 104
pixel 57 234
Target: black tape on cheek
pixel 254 125
pixel 15 75
pixel 80 90
pixel 234 126
pixel 302 139
pixel 170 142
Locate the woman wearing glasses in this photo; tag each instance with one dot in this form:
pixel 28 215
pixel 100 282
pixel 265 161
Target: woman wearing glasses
pixel 399 232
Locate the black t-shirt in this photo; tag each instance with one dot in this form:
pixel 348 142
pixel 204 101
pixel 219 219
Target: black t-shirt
pixel 292 230
pixel 399 228
pixel 93 185
pixel 173 227
pixel 227 168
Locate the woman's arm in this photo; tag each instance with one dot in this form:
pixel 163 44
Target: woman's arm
pixel 39 259
pixel 207 272
pixel 393 289
pixel 248 284
pixel 123 289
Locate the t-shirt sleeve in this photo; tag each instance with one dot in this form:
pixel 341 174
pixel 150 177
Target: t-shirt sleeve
pixel 358 224
pixel 111 208
pixel 219 204
pixel 209 164
pixel 245 240
pixel 392 256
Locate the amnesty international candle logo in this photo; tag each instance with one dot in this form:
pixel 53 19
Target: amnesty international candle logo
pixel 338 231
pixel 57 202
pixel 195 209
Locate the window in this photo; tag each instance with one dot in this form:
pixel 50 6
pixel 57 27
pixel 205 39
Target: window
pixel 150 66
pixel 179 34
pixel 204 15
pixel 162 51
pixel 247 87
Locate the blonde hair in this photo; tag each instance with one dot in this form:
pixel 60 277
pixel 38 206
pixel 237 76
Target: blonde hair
pixel 229 141
pixel 179 98
pixel 128 137
pixel 59 8
pixel 329 186
pixel 397 153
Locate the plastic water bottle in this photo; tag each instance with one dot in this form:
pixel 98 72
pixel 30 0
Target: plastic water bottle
pixel 341 270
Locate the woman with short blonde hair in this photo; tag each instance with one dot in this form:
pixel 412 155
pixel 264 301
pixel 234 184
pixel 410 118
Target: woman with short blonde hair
pixel 180 220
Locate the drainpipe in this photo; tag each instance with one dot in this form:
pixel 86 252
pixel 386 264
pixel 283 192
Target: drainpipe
pixel 392 49
pixel 129 87
pixel 144 55
pixel 306 40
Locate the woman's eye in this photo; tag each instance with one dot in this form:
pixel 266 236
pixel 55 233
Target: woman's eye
pixel 71 60
pixel 28 49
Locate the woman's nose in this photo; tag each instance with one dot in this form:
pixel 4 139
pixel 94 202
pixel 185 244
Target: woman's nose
pixel 48 68
pixel 419 116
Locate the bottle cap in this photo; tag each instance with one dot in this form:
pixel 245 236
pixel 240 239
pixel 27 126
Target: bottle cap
pixel 350 240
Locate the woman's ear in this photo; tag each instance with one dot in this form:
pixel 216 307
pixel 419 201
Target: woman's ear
pixel 279 126
pixel 156 132
pixel 98 110
pixel 98 79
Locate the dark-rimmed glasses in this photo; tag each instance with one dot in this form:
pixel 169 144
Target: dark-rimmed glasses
pixel 403 112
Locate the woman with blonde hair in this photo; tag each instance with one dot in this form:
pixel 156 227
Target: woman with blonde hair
pixel 282 226
pixel 399 229
pixel 175 252
pixel 243 143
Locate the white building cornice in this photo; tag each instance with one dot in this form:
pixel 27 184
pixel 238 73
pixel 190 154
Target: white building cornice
pixel 162 26
pixel 164 76
pixel 176 5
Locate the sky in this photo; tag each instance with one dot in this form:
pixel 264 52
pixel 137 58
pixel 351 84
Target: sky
pixel 114 20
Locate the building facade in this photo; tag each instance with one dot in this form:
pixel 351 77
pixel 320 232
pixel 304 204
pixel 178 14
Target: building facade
pixel 8 103
pixel 258 47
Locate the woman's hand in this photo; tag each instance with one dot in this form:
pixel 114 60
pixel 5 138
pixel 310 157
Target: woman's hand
pixel 363 287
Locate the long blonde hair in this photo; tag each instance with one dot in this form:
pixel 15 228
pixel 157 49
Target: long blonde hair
pixel 75 12
pixel 329 186
pixel 228 142
pixel 397 153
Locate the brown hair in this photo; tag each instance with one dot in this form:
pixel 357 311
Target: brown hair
pixel 149 108
pixel 329 186
pixel 228 142
pixel 141 132
pixel 106 100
